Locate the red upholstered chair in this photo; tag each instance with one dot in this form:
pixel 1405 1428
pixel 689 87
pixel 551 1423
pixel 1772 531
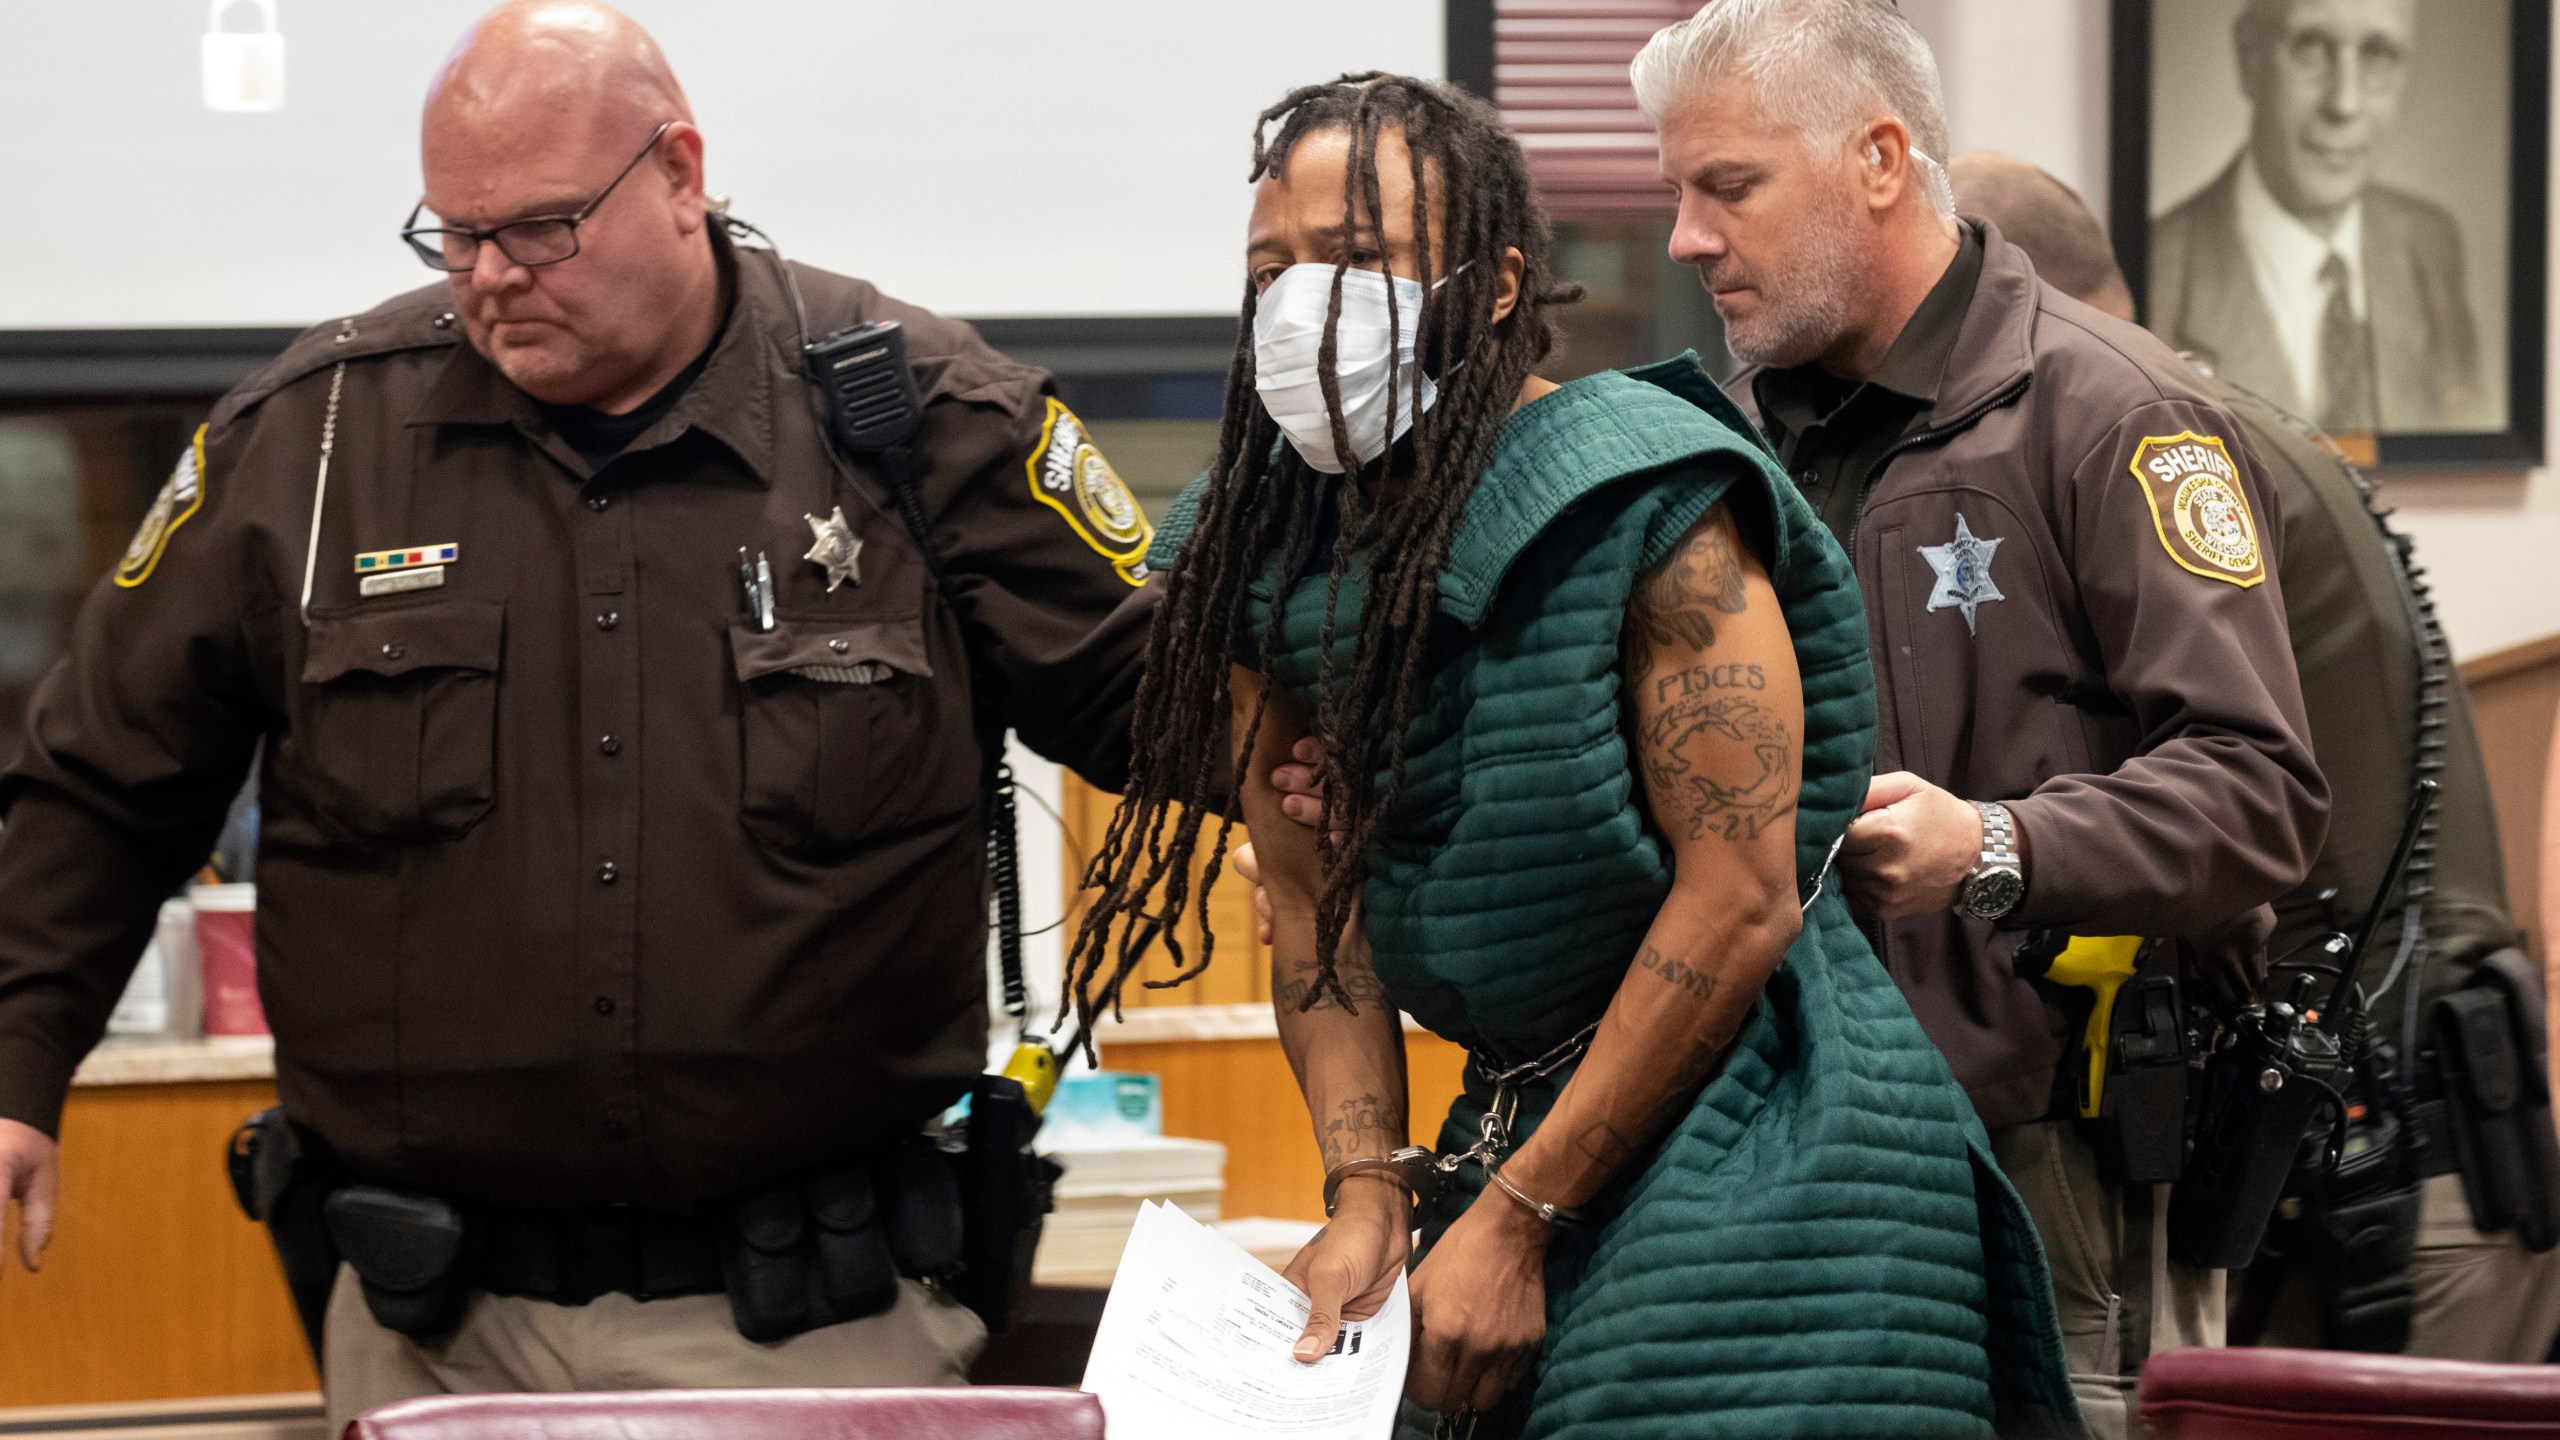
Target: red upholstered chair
pixel 988 1413
pixel 2271 1394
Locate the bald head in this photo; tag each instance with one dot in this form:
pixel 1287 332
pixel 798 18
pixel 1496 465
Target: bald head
pixel 535 113
pixel 2048 220
pixel 569 61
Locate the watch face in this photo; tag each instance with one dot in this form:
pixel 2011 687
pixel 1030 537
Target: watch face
pixel 1993 893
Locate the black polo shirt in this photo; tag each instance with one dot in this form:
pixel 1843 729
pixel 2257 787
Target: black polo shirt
pixel 1831 433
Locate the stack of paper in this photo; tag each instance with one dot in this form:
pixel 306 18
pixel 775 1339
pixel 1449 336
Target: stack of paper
pixel 1196 1338
pixel 1106 1182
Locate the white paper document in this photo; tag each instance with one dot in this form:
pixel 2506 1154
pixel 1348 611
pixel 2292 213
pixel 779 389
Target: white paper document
pixel 1195 1344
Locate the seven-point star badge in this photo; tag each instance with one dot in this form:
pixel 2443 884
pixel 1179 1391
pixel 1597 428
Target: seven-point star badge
pixel 1964 572
pixel 837 551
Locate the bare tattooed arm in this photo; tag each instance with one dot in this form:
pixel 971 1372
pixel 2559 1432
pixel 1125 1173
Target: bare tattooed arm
pixel 1349 1066
pixel 1717 711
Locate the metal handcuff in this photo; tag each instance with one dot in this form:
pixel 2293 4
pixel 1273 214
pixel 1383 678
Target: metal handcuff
pixel 1422 1172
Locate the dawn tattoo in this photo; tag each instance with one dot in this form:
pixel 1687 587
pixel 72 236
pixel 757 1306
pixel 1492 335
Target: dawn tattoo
pixel 1676 602
pixel 1677 973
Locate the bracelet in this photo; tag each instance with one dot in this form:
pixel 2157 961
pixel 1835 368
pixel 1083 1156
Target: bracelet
pixel 1552 1214
pixel 1401 1166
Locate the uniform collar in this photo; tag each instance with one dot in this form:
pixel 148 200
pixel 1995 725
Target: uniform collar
pixel 1995 345
pixel 732 401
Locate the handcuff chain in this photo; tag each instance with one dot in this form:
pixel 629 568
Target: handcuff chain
pixel 1813 891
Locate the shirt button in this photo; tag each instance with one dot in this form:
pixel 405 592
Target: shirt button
pixel 610 744
pixel 604 1004
pixel 839 645
pixel 606 872
pixel 392 652
pixel 606 620
pixel 1805 477
pixel 599 503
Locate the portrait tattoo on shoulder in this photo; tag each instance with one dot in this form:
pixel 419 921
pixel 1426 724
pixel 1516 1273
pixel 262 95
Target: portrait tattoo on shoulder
pixel 1676 601
pixel 1717 758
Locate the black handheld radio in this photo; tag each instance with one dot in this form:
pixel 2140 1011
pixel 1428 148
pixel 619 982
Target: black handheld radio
pixel 2278 1067
pixel 869 395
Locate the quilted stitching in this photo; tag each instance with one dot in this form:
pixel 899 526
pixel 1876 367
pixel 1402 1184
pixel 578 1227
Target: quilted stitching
pixel 1822 1246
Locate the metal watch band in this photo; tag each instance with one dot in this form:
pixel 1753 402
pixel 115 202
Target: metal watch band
pixel 1407 1167
pixel 1999 836
pixel 1552 1214
pixel 1997 881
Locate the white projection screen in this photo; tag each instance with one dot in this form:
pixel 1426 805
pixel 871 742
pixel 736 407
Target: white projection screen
pixel 981 157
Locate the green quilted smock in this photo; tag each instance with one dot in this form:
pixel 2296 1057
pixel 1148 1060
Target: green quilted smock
pixel 1822 1246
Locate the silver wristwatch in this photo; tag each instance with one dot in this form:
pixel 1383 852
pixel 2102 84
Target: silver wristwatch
pixel 1998 881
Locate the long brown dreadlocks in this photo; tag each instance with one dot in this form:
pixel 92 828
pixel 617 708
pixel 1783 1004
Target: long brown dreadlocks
pixel 1399 512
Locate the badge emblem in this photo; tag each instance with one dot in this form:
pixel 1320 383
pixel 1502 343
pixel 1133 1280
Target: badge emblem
pixel 180 497
pixel 1069 475
pixel 838 551
pixel 2198 507
pixel 1964 573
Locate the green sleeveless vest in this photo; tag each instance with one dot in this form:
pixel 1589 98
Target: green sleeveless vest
pixel 1823 1246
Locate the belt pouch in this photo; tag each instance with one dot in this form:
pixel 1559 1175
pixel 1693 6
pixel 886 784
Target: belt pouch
pixel 762 1262
pixel 410 1250
pixel 850 1247
pixel 2476 1049
pixel 920 1199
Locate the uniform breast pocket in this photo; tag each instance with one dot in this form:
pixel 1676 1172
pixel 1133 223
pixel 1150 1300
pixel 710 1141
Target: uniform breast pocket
pixel 846 738
pixel 398 728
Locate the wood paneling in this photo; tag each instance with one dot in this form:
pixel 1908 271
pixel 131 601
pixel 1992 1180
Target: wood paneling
pixel 2515 696
pixel 156 1287
pixel 1240 1093
pixel 1240 968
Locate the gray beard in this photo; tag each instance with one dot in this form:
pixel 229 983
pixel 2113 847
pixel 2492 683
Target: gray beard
pixel 1804 304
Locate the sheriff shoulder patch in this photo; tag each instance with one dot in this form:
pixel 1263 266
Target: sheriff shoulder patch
pixel 1069 475
pixel 2198 507
pixel 181 495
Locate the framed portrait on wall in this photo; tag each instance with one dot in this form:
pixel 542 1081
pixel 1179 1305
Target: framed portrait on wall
pixel 2340 204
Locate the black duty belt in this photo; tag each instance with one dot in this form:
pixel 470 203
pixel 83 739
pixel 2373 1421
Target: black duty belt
pixel 575 1257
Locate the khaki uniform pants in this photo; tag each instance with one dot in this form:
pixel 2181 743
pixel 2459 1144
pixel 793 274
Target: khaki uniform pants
pixel 2120 1304
pixel 2479 1297
pixel 507 1343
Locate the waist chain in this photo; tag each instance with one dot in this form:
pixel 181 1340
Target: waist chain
pixel 1501 1113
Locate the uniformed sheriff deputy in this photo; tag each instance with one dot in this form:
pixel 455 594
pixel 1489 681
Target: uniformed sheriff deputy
pixel 2090 718
pixel 2385 709
pixel 622 858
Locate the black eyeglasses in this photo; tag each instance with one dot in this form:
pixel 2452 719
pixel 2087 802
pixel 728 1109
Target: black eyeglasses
pixel 540 240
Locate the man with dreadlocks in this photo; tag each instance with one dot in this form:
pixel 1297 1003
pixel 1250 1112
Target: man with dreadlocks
pixel 1596 682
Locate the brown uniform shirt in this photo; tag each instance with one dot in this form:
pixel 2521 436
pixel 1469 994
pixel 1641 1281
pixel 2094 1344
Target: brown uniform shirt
pixel 2348 604
pixel 2067 601
pixel 576 886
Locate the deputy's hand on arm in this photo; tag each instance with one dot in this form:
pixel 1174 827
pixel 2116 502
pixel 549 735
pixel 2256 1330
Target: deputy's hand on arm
pixel 1910 848
pixel 30 1179
pixel 1350 1066
pixel 1718 715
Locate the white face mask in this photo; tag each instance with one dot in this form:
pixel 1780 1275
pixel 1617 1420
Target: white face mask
pixel 1288 333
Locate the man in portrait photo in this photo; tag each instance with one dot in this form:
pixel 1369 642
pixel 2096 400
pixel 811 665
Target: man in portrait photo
pixel 2294 272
